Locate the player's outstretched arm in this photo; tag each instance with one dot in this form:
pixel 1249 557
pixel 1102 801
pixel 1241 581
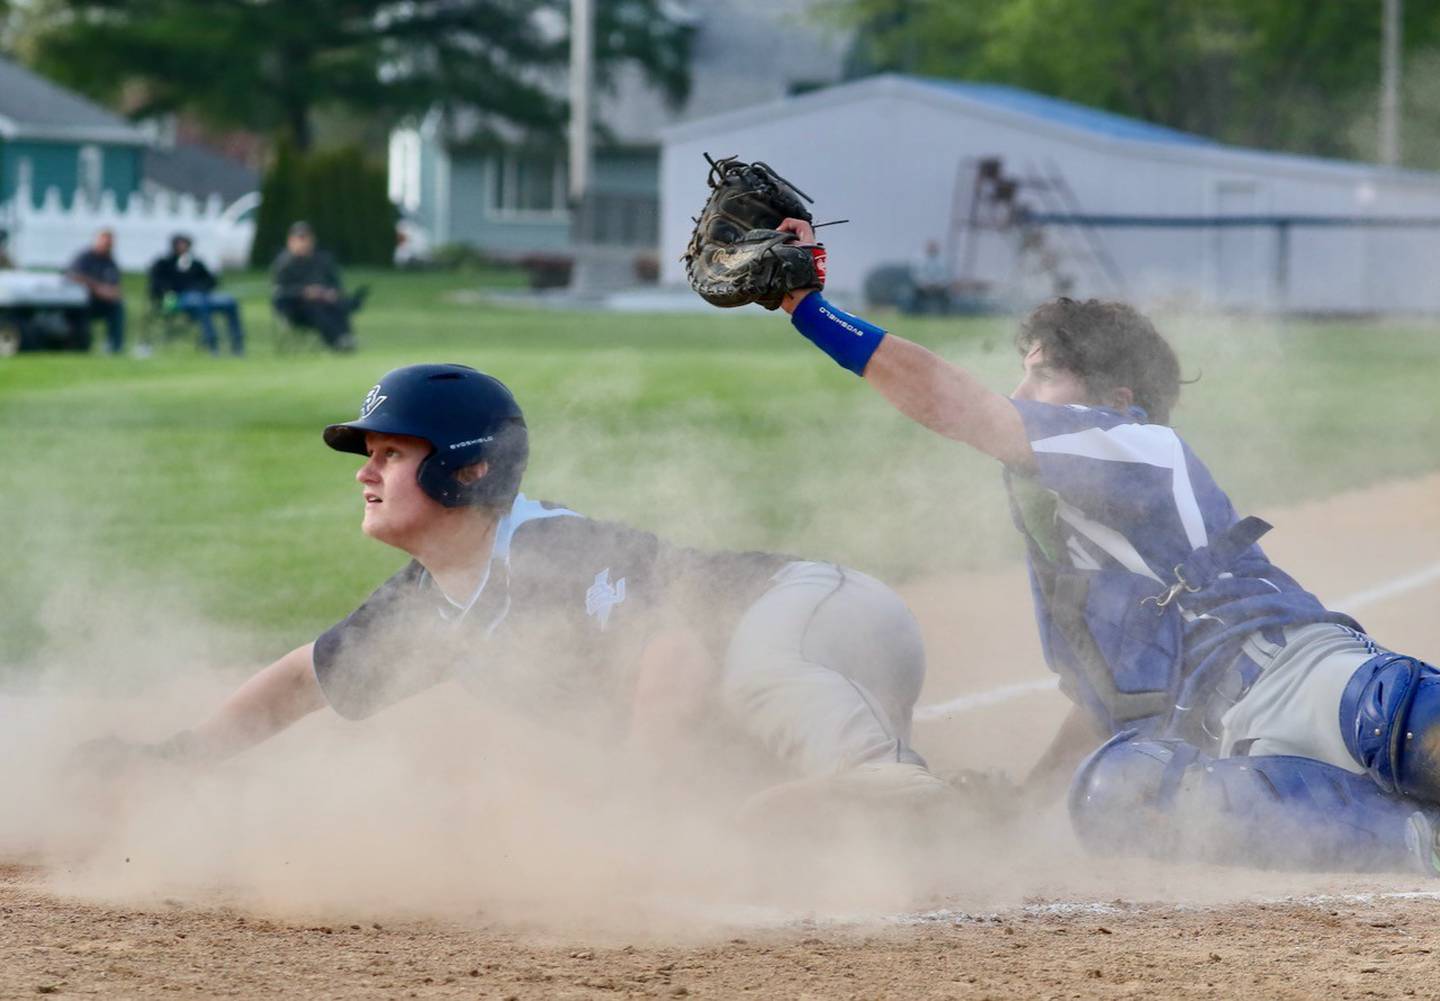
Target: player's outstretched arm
pixel 948 400
pixel 266 704
pixel 923 386
pixel 260 708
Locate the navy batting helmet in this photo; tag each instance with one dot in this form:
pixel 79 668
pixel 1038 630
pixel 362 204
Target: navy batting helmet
pixel 467 416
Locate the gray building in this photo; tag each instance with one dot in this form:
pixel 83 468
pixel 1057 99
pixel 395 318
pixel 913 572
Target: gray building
pixel 468 181
pixel 905 159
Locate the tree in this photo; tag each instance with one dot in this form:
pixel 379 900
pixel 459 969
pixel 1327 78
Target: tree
pixel 279 203
pixel 268 65
pixel 7 24
pixel 1291 76
pixel 340 194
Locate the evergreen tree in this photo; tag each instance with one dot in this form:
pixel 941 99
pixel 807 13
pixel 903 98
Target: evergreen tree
pixel 340 193
pixel 278 205
pixel 267 65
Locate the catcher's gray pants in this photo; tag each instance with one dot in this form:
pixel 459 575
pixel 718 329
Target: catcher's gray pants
pixel 1294 706
pixel 825 668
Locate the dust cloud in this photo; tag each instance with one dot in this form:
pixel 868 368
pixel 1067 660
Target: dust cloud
pixel 447 806
pixel 441 807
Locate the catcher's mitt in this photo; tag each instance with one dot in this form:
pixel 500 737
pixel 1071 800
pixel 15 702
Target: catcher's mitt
pixel 736 255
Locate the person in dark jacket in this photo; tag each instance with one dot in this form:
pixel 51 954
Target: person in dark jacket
pixel 95 268
pixel 308 290
pixel 180 280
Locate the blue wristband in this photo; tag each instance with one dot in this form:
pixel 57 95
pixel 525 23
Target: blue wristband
pixel 847 339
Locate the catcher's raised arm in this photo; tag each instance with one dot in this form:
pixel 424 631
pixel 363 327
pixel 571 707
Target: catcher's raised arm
pixel 945 398
pixel 755 242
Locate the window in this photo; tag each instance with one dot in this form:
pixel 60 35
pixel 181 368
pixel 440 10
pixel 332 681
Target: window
pixel 528 184
pixel 90 173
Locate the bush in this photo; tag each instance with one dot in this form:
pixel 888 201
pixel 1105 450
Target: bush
pixel 278 205
pixel 462 257
pixel 548 270
pixel 647 269
pixel 339 193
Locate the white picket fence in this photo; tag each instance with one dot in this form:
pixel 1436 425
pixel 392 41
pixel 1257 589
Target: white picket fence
pixel 49 235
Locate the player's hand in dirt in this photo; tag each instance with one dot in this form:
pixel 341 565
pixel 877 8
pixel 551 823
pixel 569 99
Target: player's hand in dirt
pixel 110 758
pixel 990 795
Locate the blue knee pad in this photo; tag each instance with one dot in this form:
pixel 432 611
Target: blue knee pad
pixel 1390 718
pixel 1167 799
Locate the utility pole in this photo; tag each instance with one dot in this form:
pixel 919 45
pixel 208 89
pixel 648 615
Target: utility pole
pixel 596 267
pixel 1390 83
pixel 582 63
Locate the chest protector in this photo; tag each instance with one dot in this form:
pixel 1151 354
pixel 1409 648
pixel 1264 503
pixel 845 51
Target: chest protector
pixel 1117 638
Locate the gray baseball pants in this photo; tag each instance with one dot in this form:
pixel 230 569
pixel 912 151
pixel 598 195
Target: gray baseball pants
pixel 1294 706
pixel 824 669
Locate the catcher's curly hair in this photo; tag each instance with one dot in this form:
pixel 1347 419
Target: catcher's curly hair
pixel 1109 345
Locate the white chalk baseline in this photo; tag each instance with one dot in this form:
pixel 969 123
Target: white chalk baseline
pixel 1008 693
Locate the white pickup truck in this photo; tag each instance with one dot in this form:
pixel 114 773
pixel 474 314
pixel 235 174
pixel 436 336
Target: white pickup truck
pixel 42 310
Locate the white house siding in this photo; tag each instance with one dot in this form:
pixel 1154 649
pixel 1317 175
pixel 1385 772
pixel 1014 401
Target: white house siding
pixel 743 52
pixel 467 179
pixel 885 153
pixel 475 221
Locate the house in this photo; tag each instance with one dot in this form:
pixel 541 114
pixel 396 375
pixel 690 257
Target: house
pixel 469 180
pixel 910 160
pixel 68 168
pixel 51 137
pixel 189 168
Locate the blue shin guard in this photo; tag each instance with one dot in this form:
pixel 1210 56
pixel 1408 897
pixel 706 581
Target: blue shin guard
pixel 1167 799
pixel 1390 718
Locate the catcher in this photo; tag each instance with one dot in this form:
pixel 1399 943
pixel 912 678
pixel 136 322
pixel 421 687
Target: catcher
pixel 1237 718
pixel 593 627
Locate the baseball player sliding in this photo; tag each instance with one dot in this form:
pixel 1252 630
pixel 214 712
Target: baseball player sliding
pixel 1237 718
pixel 586 624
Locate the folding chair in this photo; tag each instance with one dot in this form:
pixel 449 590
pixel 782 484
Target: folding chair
pixel 164 323
pixel 289 337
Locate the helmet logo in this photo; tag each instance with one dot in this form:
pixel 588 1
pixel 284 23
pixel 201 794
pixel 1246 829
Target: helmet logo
pixel 473 441
pixel 373 399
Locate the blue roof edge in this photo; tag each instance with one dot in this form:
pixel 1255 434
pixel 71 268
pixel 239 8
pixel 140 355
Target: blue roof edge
pixel 1111 125
pixel 1063 112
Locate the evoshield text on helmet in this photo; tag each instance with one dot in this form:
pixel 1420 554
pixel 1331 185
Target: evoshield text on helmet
pixel 465 415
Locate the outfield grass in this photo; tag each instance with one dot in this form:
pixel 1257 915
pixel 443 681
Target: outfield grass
pixel 203 483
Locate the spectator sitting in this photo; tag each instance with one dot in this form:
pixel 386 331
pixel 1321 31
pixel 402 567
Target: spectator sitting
pixel 932 282
pixel 308 291
pixel 183 278
pixel 95 268
pixel 5 261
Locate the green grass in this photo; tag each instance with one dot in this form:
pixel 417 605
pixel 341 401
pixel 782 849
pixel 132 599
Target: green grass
pixel 201 485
